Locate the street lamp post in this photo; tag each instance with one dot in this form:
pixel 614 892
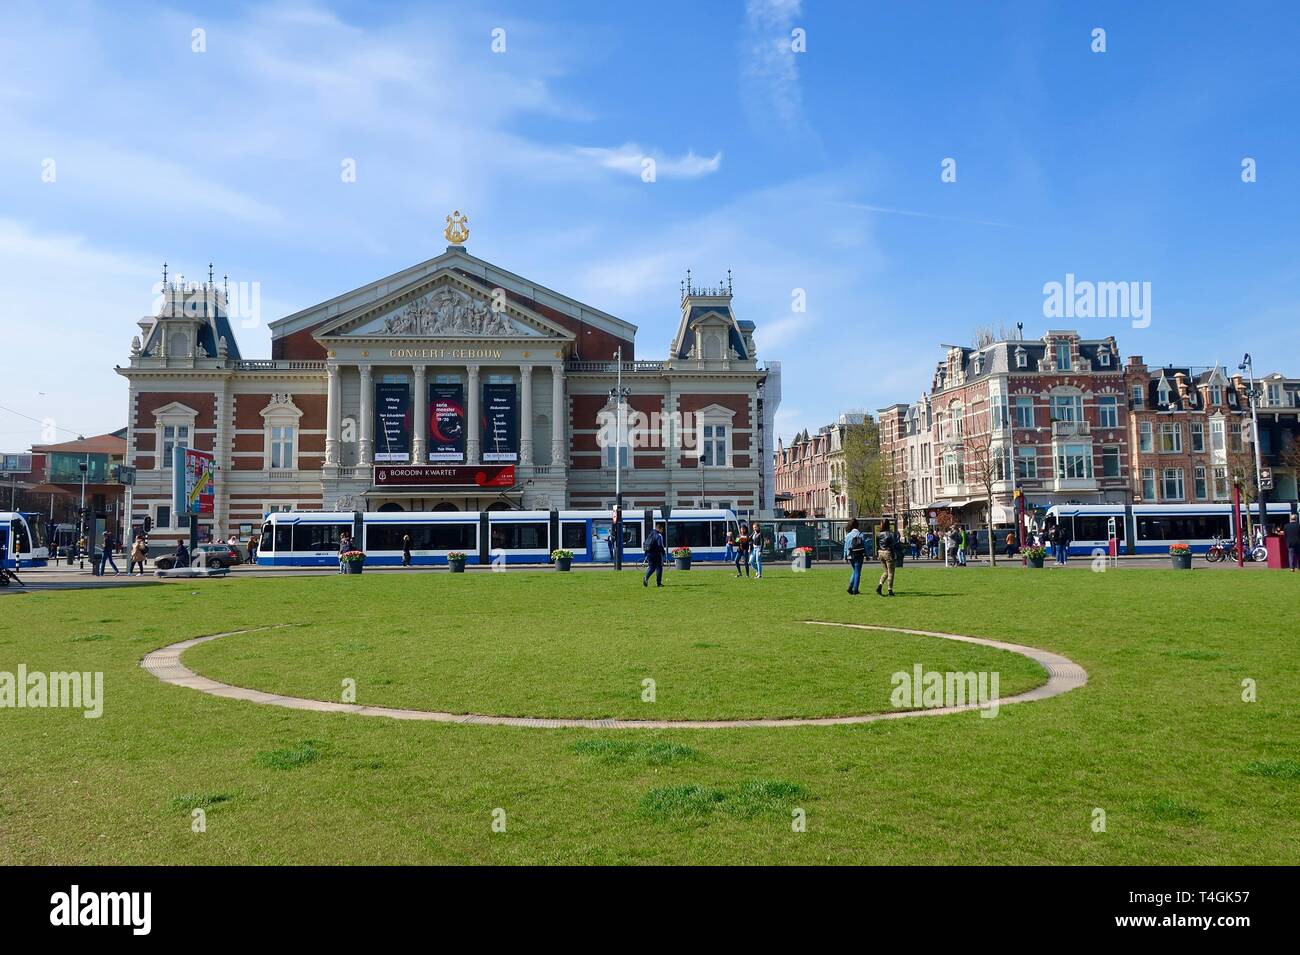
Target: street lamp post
pixel 620 398
pixel 1248 366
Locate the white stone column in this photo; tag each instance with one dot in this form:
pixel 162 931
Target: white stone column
pixel 332 417
pixel 559 419
pixel 526 414
pixel 367 414
pixel 421 417
pixel 472 414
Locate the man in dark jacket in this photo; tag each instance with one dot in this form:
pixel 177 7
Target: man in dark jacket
pixel 654 556
pixel 1291 537
pixel 887 547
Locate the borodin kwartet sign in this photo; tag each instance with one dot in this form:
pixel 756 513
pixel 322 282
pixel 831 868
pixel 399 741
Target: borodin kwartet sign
pixel 194 477
pixel 473 475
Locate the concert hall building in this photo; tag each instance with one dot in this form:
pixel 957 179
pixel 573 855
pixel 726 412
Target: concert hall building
pixel 452 384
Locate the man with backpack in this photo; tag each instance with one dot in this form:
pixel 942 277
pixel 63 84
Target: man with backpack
pixel 855 552
pixel 887 549
pixel 654 556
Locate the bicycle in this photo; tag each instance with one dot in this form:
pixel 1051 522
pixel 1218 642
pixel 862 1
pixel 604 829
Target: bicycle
pixel 1222 550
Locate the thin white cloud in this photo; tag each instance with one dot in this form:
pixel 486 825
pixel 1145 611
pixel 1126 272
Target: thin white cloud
pixel 632 160
pixel 926 215
pixel 769 69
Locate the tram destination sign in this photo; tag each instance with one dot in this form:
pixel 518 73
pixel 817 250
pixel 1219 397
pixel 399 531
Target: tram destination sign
pixel 466 475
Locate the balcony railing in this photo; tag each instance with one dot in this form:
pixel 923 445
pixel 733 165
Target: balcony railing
pixel 276 364
pixel 1070 429
pixel 611 367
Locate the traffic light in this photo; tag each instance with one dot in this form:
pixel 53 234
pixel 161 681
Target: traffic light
pixel 148 523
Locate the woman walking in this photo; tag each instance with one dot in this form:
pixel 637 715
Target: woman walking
pixel 139 551
pixel 855 552
pixel 406 550
pixel 756 549
pixel 742 550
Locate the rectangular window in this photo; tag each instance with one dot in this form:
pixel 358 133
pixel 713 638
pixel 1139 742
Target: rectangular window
pixel 318 537
pixel 1220 483
pixel 282 456
pixel 1108 411
pixel 1216 394
pixel 1274 394
pixel 1148 484
pixel 998 412
pixel 1173 484
pixel 173 435
pixel 1067 407
pixel 623 456
pixel 1198 435
pixel 688 534
pixel 715 445
pixel 1110 461
pixel 1266 443
pixel 573 535
pixel 1137 396
pixel 1146 442
pixel 1199 484
pixel 1024 410
pixel 1171 437
pixel 1234 436
pixel 1062 356
pixel 461 536
pixel 162 516
pixel 1216 435
pixel 522 536
pixel 1074 462
pixel 1026 464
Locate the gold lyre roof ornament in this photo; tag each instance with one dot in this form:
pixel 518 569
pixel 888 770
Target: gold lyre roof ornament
pixel 457 230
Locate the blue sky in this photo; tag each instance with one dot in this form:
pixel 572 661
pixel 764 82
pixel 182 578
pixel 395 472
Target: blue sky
pixel 817 170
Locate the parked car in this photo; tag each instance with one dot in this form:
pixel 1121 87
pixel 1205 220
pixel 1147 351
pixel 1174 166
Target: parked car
pixel 215 555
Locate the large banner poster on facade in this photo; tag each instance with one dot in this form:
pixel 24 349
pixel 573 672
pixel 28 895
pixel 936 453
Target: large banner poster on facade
pixel 194 481
pixel 392 422
pixel 446 422
pixel 500 423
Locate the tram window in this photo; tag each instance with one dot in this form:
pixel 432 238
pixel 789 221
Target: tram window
pixel 573 535
pixel 718 533
pixel 1184 527
pixel 449 536
pixel 1097 528
pixel 529 536
pixel 688 534
pixel 268 535
pixel 19 542
pixel 318 536
pixel 632 534
pixel 283 538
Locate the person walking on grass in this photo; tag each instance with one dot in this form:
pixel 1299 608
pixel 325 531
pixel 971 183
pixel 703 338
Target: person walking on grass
pixel 742 550
pixel 887 547
pixel 1291 537
pixel 345 545
pixel 139 551
pixel 855 552
pixel 654 556
pixel 406 550
pixel 756 549
pixel 729 554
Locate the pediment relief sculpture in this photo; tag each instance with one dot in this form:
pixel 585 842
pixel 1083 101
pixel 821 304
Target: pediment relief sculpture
pixel 450 311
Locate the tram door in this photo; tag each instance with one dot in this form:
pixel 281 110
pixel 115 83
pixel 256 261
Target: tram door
pixel 602 535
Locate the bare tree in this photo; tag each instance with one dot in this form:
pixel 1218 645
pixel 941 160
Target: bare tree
pixel 984 465
pixel 1241 471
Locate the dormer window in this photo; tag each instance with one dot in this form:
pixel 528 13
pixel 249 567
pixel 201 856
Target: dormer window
pixel 977 363
pixel 1216 394
pixel 1162 392
pixel 1062 356
pixel 1022 360
pixel 1103 356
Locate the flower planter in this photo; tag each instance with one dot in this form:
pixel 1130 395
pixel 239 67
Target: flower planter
pixel 456 566
pixel 352 567
pixel 564 563
pixel 1035 562
pixel 683 563
pixel 803 561
pixel 1181 561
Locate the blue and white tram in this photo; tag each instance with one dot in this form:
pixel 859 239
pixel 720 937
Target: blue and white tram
pixel 311 538
pixel 1151 528
pixel 22 537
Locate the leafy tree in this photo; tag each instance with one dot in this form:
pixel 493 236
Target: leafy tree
pixel 866 478
pixel 984 466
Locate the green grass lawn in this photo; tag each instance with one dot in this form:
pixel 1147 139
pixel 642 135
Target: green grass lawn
pixel 1160 738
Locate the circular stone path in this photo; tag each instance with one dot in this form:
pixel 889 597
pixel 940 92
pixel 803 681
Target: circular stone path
pixel 165 663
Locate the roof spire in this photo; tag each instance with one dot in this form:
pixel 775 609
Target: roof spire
pixel 164 275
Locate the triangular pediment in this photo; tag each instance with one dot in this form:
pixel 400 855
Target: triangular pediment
pixel 443 306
